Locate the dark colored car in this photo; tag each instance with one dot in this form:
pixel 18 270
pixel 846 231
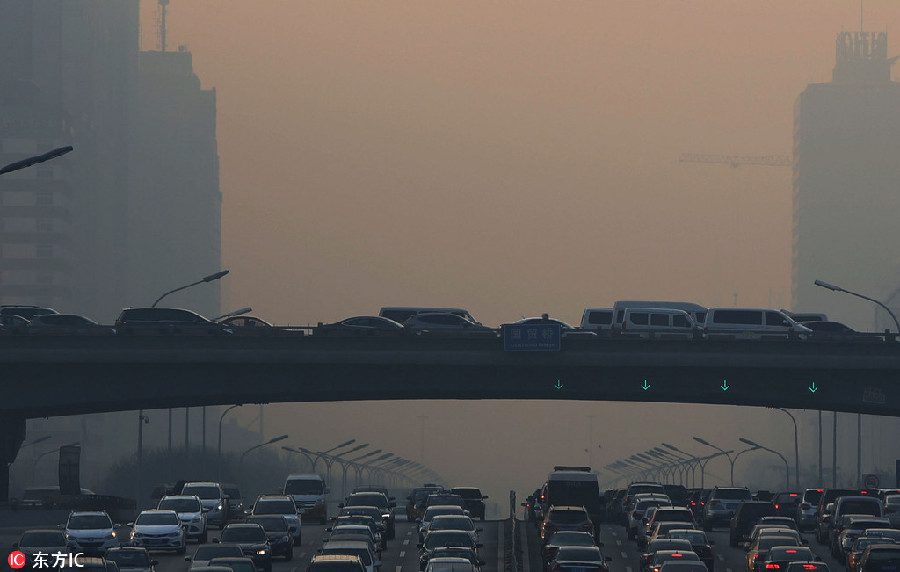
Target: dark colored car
pixel 66 325
pixel 45 541
pixel 859 546
pixel 474 500
pixel 280 535
pixel 661 556
pixel 823 516
pixel 880 558
pixel 745 516
pixel 26 312
pixel 444 538
pixel 415 505
pixel 654 546
pixel 579 559
pixel 361 326
pixel 131 558
pixel 165 321
pixel 780 556
pixel 253 540
pixel 758 551
pixel 786 503
pixel 835 331
pixel 564 538
pixel 375 499
pixel 700 543
pixel 561 518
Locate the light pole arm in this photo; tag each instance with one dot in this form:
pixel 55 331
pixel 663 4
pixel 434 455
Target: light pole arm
pixel 839 289
pixel 209 278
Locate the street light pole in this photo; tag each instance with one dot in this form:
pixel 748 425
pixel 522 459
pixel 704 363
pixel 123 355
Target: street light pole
pixel 219 458
pixel 787 469
pixel 209 278
pixel 796 450
pixel 730 460
pixel 834 288
pixel 257 446
pixel 36 159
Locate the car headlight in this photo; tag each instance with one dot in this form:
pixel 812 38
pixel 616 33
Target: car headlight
pixel 219 507
pixel 112 535
pixel 285 539
pixel 261 552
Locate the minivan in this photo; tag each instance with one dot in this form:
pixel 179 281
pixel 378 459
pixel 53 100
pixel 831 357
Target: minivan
pixel 660 323
pixel 696 311
pixel 310 494
pixel 598 319
pixel 751 324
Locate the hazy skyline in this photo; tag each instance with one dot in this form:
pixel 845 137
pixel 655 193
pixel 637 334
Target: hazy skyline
pixel 510 158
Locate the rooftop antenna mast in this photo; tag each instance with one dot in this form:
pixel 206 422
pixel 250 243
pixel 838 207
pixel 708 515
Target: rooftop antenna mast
pixel 162 24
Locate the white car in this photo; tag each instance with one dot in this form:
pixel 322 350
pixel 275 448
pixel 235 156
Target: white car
pixel 90 532
pixel 438 510
pixel 159 530
pixel 190 511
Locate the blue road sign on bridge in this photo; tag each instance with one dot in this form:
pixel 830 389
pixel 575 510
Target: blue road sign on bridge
pixel 532 337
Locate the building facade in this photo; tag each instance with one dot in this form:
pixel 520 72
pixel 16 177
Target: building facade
pixel 847 186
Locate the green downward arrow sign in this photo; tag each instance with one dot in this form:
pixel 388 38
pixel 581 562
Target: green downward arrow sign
pixel 724 385
pixel 813 388
pixel 646 385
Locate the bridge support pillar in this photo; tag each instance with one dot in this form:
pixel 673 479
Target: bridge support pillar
pixel 12 434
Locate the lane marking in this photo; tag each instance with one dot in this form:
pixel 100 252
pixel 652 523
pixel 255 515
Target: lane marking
pixel 728 570
pixel 405 541
pixel 397 568
pixel 618 543
pixel 402 553
pixel 302 554
pixel 624 555
pixel 628 569
pixel 722 557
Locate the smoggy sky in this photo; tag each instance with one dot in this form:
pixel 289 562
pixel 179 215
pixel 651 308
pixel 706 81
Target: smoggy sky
pixel 509 157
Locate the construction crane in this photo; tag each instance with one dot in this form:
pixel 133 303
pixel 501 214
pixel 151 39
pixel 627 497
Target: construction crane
pixel 737 160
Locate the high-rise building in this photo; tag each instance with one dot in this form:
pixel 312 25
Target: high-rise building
pixel 847 186
pixel 134 211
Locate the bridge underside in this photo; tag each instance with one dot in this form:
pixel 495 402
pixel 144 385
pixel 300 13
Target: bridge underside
pixel 71 376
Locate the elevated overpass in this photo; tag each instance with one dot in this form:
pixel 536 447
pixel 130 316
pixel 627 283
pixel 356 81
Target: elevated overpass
pixel 58 376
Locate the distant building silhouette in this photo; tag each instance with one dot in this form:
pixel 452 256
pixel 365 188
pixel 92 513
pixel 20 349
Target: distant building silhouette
pixel 134 211
pixel 847 185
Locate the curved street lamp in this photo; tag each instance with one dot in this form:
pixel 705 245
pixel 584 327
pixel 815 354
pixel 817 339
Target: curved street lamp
pixel 787 470
pixel 58 152
pixel 244 454
pixel 219 458
pixel 44 454
pixel 834 288
pixel 209 278
pixel 796 448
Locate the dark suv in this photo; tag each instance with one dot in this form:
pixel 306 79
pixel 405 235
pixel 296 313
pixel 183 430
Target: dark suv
pixel 474 500
pixel 164 321
pixel 745 516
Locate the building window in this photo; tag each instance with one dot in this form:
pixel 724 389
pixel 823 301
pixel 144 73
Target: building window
pixel 44 198
pixel 45 251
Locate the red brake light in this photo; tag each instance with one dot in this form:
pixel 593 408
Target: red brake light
pixel 776 507
pixel 793 494
pixel 809 566
pixel 771 566
pixel 863 492
pixel 677 555
pixel 791 551
pixel 817 490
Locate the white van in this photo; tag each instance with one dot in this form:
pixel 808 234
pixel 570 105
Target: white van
pixel 597 319
pixel 402 313
pixel 310 494
pixel 696 311
pixel 658 323
pixel 751 324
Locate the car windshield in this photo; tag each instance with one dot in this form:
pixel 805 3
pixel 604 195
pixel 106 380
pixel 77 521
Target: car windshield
pixel 443 510
pixel 861 507
pixel 206 553
pixel 269 524
pixel 129 558
pixel 157 519
pixel 448 538
pixel 368 499
pixel 696 537
pixel 566 538
pixel 43 538
pixel 452 523
pixel 243 534
pixel 767 542
pixel 235 565
pixel 203 491
pixel 275 507
pixel 180 505
pixel 304 487
pixel 578 553
pixel 89 522
pixel 567 516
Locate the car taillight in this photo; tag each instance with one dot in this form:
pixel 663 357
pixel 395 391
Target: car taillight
pixel 793 494
pixel 791 551
pixel 771 566
pixel 776 507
